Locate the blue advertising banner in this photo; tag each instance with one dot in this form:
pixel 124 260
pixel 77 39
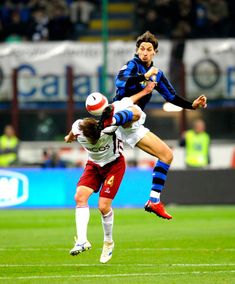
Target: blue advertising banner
pixel 55 188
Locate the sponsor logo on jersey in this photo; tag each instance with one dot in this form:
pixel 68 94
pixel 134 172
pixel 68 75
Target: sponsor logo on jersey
pixel 99 149
pixel 13 188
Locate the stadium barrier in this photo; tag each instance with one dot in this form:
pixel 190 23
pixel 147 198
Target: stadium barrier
pixel 55 188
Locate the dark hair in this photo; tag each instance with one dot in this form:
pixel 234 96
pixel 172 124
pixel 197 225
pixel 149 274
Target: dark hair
pixel 89 127
pixel 147 37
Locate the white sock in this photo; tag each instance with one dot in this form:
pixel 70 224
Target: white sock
pixel 155 196
pixel 107 223
pixel 82 216
pixel 114 121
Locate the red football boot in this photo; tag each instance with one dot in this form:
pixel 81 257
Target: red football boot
pixel 106 117
pixel 158 209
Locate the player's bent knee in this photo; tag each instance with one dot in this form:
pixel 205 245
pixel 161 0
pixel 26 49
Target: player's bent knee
pixel 167 157
pixel 170 156
pixel 104 208
pixel 80 198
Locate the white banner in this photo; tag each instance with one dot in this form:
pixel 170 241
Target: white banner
pixel 42 68
pixel 210 68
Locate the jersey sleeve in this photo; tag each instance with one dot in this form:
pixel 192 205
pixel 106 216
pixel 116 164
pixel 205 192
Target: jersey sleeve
pixel 128 75
pixel 75 127
pixel 167 91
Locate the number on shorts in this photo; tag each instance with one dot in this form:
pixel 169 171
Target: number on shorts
pixel 110 181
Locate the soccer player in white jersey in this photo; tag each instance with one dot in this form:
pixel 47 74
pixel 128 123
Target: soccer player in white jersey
pixel 103 173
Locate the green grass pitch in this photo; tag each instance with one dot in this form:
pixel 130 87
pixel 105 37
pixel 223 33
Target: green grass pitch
pixel 196 246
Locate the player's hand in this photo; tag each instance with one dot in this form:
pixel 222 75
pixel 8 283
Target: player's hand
pixel 152 71
pixel 149 87
pixel 66 139
pixel 69 138
pixel 200 102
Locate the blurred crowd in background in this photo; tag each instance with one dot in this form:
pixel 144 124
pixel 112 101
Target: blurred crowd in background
pixel 187 18
pixel 41 20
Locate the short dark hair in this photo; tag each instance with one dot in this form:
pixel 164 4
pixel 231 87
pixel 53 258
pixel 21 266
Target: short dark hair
pixel 147 37
pixel 89 127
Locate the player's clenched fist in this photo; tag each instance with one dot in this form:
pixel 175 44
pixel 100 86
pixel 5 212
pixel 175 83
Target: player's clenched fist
pixel 152 71
pixel 201 101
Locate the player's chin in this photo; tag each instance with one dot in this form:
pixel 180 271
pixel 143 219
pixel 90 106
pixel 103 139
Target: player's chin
pixel 145 59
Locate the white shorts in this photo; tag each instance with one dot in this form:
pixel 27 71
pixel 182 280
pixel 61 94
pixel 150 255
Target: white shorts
pixel 132 136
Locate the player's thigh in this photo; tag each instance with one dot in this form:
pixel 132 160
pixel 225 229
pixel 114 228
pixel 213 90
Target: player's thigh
pixel 154 146
pixel 91 177
pixel 114 173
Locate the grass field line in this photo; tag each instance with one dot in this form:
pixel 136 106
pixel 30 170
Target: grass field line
pixel 126 249
pixel 120 264
pixel 117 275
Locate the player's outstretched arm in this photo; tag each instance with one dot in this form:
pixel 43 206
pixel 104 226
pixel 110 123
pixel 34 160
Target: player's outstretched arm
pixel 70 137
pixel 200 102
pixel 148 89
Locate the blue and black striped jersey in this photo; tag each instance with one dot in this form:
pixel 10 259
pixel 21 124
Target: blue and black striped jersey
pixel 130 80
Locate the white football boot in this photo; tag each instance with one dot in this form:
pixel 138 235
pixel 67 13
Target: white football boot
pixel 107 252
pixel 78 248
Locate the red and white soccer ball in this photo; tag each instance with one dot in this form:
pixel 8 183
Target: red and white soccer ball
pixel 96 103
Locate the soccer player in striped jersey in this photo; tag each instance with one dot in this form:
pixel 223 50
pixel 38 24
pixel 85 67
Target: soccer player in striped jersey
pixel 130 80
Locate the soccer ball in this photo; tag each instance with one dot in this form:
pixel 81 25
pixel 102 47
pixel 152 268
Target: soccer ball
pixel 96 103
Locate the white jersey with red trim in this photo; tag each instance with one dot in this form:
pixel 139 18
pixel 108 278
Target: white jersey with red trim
pixel 107 149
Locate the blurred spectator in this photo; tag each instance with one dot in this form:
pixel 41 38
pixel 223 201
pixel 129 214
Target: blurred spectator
pixel 197 145
pixel 60 26
pixel 9 145
pixel 182 30
pixel 46 128
pixel 218 18
pixel 2 32
pixel 141 7
pixel 53 160
pixel 15 30
pixel 156 24
pixel 201 27
pixel 38 26
pixel 169 11
pixel 231 11
pixel 80 11
pixel 183 20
